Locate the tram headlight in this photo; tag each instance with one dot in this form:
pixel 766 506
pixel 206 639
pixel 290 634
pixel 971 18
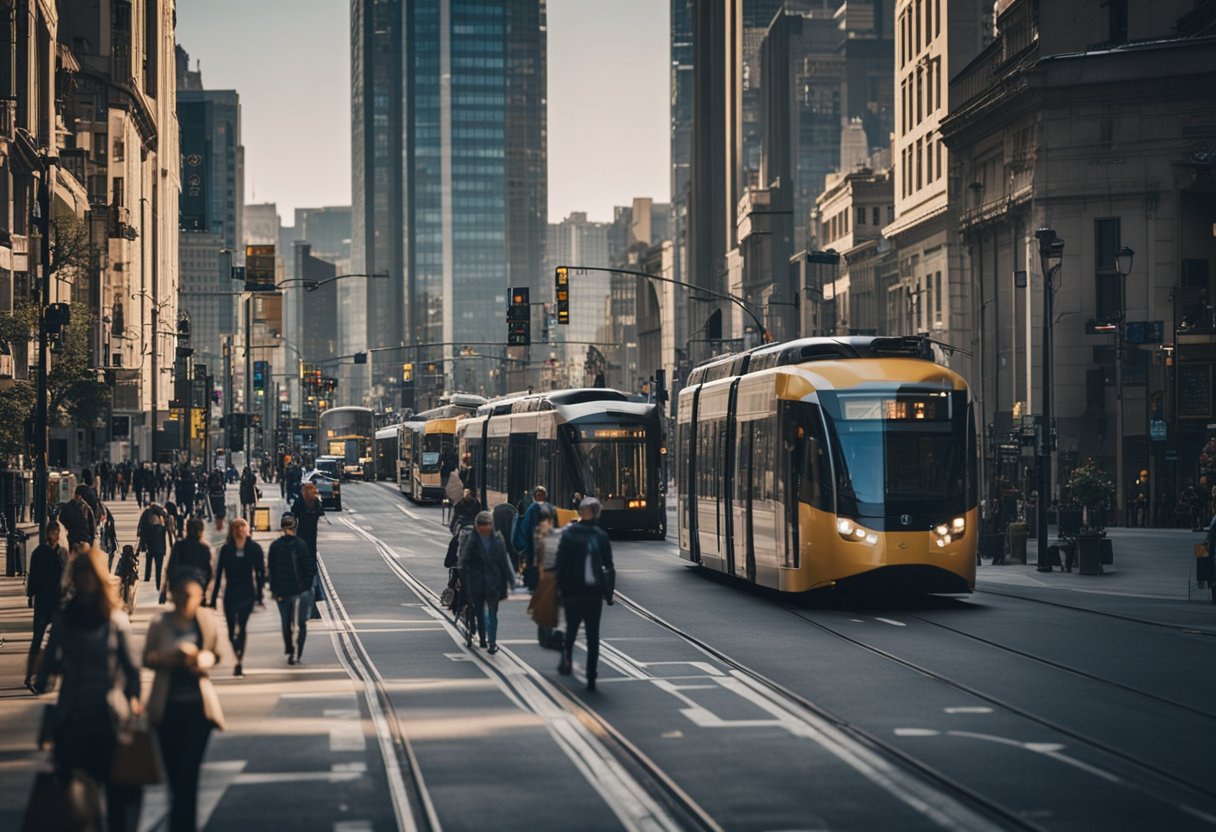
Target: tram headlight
pixel 851 531
pixel 946 534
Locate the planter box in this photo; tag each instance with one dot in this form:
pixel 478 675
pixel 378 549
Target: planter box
pixel 1089 557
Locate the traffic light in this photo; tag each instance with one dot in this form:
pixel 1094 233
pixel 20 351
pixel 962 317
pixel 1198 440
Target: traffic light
pixel 407 372
pixel 519 318
pixel 562 287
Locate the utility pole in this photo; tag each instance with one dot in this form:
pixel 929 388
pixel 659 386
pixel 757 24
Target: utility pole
pixel 41 438
pixel 1051 255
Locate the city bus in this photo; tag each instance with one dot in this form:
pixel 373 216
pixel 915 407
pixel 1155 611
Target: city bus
pixel 347 433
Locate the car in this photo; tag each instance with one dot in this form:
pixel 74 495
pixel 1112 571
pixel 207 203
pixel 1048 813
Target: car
pixel 328 482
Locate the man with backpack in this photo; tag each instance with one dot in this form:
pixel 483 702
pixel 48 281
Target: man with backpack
pixel 586 579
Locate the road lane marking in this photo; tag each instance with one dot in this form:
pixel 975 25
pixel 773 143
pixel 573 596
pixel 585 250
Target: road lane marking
pixel 891 622
pixel 629 800
pixel 408 513
pixel 969 709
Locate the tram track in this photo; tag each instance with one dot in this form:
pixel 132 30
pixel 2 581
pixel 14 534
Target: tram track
pixel 1161 775
pixel 1180 628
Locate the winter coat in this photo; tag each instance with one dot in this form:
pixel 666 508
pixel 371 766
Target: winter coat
pixel 484 574
pixel 580 543
pixel 292 567
pixel 78 519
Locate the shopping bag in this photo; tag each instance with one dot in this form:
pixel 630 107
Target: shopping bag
pixel 137 760
pixel 61 802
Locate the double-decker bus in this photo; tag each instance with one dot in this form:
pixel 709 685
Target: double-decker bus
pixel 347 433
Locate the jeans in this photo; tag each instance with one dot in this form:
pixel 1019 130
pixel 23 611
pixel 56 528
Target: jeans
pixel 159 559
pixel 293 613
pixel 42 619
pixel 237 615
pixel 487 619
pixel 583 609
pixel 184 732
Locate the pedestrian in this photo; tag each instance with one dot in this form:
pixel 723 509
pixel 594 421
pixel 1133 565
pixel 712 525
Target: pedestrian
pixel 242 563
pixel 78 519
pixel 107 534
pixel 485 577
pixel 505 516
pixel 153 535
pixel 44 590
pixel 308 511
pixel 122 481
pixel 585 579
pixel 525 533
pixel 216 494
pixel 174 523
pixel 291 571
pixel 576 499
pixel 189 553
pixel 182 647
pixel 294 478
pixel 90 648
pixel 543 606
pixel 139 484
pixel 465 510
pixel 249 493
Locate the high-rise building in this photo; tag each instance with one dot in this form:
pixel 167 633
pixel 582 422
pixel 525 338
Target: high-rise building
pixel 450 169
pixel 211 235
pixel 576 241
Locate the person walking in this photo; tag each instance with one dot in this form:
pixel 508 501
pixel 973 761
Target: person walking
pixel 308 511
pixel 505 516
pixel 292 571
pixel 525 533
pixel 78 519
pixel 139 483
pixel 189 553
pixel 249 493
pixel 585 579
pixel 182 647
pixel 543 606
pixel 216 494
pixel 153 535
pixel 242 563
pixel 44 590
pixel 485 577
pixel 107 533
pixel 90 648
pixel 464 511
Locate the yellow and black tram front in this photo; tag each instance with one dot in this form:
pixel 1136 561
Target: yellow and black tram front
pixel 852 469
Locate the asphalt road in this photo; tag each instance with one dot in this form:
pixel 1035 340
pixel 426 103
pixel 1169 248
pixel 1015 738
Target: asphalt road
pixel 721 707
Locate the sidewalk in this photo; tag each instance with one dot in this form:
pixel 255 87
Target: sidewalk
pixel 1148 563
pixel 295 753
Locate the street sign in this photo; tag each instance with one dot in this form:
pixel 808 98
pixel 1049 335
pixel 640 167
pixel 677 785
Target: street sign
pixel 259 268
pixel 260 371
pixel 1145 332
pixel 1009 453
pixel 1157 430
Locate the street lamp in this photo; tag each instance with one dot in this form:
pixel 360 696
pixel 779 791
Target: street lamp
pixel 1051 257
pixel 1123 264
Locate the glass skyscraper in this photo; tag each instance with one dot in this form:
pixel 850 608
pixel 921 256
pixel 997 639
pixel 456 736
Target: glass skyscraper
pixel 469 88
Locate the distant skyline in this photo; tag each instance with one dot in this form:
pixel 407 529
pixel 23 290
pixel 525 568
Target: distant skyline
pixel 290 62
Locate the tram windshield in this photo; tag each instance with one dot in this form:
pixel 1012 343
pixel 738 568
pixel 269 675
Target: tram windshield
pixel 612 459
pixel 898 452
pixel 432 445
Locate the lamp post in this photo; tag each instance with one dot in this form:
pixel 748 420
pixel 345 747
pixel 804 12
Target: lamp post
pixel 42 220
pixel 1051 256
pixel 1123 263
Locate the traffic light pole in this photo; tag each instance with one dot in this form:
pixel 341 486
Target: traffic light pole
pixel 41 416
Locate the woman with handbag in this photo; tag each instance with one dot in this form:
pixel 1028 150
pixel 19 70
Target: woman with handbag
pixel 184 707
pixel 90 648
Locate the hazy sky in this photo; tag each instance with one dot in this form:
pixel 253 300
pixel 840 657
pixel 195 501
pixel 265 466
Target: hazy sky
pixel 290 62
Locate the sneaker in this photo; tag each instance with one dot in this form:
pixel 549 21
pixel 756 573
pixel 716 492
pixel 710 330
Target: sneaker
pixel 481 642
pixel 291 659
pixel 493 647
pixel 238 671
pixel 563 667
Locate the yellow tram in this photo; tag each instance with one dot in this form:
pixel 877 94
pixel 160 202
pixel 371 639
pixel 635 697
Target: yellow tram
pixel 830 461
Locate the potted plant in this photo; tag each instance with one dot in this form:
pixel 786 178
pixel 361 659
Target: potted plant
pixel 1091 488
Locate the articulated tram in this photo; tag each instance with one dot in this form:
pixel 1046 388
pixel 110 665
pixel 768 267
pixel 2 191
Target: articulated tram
pixel 387 452
pixel 592 442
pixel 830 461
pixel 423 448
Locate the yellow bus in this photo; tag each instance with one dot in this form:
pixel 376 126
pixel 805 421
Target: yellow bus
pixel 828 462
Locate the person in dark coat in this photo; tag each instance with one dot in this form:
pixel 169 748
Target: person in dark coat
pixel 241 562
pixel 504 523
pixel 308 512
pixel 216 493
pixel 485 576
pixel 90 647
pixel 184 492
pixel 90 491
pixel 44 590
pixel 292 571
pixel 189 553
pixel 464 511
pixel 249 493
pixel 153 534
pixel 78 518
pixel 585 579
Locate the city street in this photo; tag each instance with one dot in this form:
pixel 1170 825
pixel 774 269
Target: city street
pixel 1025 706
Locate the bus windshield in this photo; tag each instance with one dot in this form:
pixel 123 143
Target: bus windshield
pixel 612 460
pixel 898 452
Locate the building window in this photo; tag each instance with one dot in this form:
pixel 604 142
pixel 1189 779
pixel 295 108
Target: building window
pixel 1106 278
pixel 928 299
pixel 928 22
pixel 919 14
pixel 919 156
pixel 928 159
pixel 919 97
pixel 937 83
pixel 937 18
pixel 875 216
pixel 1118 20
pixel 937 304
pixel 890 213
pixel 861 215
pixel 938 150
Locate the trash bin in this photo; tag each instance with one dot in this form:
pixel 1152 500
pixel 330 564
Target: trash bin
pixel 261 518
pixel 1016 536
pixel 1089 558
